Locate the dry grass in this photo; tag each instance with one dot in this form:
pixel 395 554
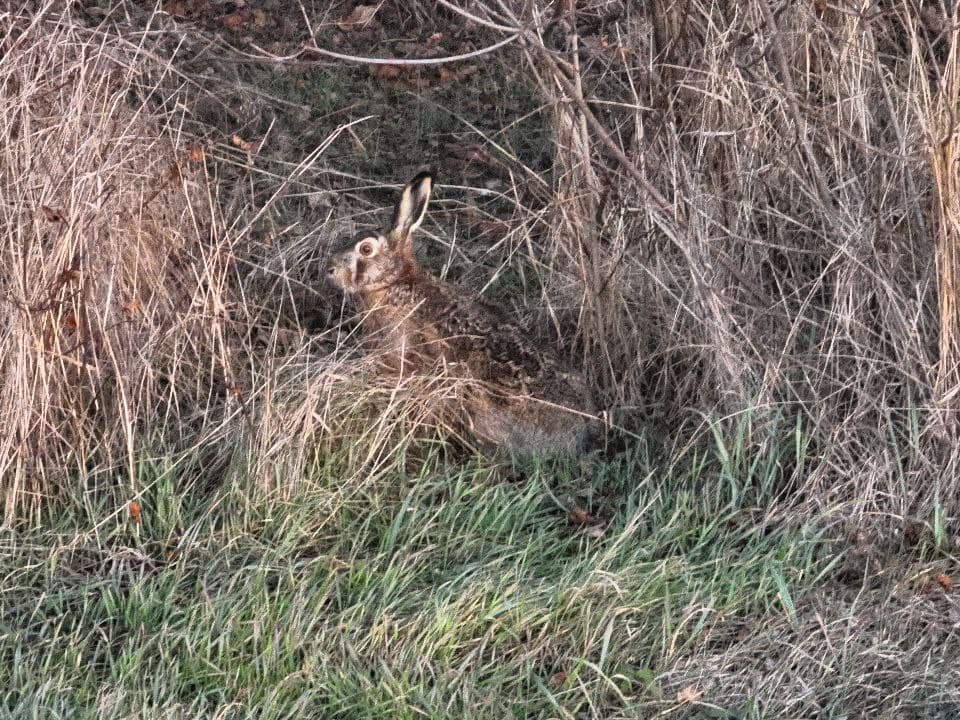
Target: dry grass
pixel 128 331
pixel 103 276
pixel 794 265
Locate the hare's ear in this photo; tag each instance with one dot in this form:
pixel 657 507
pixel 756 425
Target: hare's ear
pixel 411 208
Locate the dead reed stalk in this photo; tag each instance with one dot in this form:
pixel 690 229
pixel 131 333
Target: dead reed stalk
pixel 942 105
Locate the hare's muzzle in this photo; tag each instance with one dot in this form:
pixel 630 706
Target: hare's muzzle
pixel 340 273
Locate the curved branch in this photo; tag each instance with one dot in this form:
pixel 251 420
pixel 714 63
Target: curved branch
pixel 409 61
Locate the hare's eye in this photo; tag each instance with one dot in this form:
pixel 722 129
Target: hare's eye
pixel 366 249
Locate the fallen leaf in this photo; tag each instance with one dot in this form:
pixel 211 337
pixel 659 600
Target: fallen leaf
pixel 135 514
pixel 241 143
pixel 232 388
pixel 689 695
pixel 53 215
pixel 945 581
pixel 447 76
pixel 579 516
pixel 197 154
pixel 178 9
pixel 385 72
pixel 360 16
pixel 237 19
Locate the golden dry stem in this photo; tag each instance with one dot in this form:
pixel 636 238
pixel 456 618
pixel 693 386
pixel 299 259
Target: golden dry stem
pixel 943 118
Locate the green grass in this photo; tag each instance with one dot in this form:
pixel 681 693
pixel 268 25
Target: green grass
pixel 409 125
pixel 446 594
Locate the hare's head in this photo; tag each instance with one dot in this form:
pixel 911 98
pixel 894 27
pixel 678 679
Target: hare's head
pixel 372 261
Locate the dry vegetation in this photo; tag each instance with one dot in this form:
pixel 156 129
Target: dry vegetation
pixel 746 232
pixel 103 294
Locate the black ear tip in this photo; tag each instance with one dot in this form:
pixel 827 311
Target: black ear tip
pixel 428 174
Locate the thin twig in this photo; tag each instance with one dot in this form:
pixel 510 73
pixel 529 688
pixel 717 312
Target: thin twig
pixel 314 49
pixel 476 19
pixel 570 89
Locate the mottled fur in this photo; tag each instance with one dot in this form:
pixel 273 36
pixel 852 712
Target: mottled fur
pixel 519 397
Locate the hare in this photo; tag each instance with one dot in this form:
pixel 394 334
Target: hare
pixel 519 398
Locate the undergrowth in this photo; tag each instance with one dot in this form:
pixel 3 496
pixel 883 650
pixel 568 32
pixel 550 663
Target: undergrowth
pixel 737 221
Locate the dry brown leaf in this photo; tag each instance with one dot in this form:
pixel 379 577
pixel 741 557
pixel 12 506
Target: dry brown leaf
pixel 244 145
pixel 233 389
pixel 447 76
pixel 579 516
pixel 386 72
pixel 360 16
pixel 177 9
pixel 237 19
pixel 689 695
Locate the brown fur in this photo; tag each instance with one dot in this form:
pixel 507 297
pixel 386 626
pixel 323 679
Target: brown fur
pixel 518 397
